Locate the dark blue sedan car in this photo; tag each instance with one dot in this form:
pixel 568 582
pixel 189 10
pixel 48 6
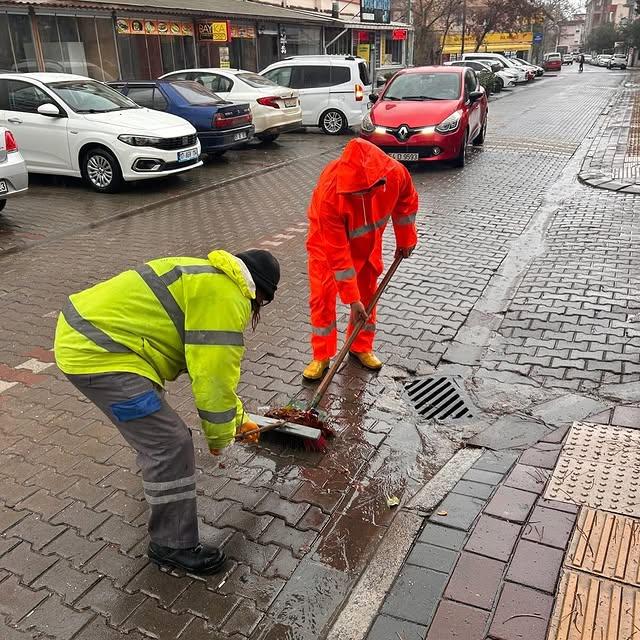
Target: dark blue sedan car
pixel 221 125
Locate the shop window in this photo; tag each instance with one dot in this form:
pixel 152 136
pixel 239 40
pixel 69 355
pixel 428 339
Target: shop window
pixel 82 45
pixel 302 41
pixel 148 56
pixel 392 51
pixel 17 52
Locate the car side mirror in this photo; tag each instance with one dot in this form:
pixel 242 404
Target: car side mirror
pixel 49 109
pixel 474 96
pixel 374 97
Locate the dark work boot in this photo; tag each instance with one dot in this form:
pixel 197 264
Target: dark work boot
pixel 200 560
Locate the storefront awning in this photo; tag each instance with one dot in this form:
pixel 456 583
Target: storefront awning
pixel 226 8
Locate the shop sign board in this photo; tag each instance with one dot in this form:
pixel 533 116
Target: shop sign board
pixel 399 34
pixel 142 27
pixel 214 31
pixel 238 31
pixel 364 51
pixel 375 11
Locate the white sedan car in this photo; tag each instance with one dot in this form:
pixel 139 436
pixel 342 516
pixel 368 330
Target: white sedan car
pixel 275 109
pixel 14 178
pixel 74 126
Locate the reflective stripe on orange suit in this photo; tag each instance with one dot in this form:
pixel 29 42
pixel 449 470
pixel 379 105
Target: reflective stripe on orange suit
pixel 344 243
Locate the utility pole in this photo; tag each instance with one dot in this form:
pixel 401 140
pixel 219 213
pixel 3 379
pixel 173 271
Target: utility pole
pixel 464 25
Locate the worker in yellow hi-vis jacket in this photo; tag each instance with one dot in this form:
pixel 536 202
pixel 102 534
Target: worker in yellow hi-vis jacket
pixel 118 342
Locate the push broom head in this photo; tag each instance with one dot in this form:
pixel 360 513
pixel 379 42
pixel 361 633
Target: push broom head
pixel 307 418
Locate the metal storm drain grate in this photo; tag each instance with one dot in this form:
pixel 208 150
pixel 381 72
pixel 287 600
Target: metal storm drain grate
pixel 438 397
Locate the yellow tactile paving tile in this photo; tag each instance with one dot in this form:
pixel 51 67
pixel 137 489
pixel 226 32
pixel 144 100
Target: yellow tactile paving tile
pixel 600 468
pixel 608 545
pixel 590 608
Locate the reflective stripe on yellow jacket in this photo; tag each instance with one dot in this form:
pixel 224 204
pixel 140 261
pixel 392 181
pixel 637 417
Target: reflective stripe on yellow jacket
pixel 168 316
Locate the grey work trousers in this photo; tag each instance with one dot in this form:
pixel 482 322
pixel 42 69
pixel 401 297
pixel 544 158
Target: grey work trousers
pixel 165 452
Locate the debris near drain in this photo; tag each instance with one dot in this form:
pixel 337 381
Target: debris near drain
pixel 299 416
pixel 443 513
pixel 392 501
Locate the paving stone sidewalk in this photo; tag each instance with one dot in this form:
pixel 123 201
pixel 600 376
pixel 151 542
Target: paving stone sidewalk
pixel 497 560
pixel 613 160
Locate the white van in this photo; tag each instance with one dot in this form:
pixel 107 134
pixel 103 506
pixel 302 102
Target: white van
pixel 334 90
pixel 507 62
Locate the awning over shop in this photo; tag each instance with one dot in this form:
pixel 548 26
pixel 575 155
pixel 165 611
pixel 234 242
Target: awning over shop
pixel 493 43
pixel 239 8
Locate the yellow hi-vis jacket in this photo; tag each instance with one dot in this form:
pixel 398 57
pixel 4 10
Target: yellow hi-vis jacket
pixel 169 316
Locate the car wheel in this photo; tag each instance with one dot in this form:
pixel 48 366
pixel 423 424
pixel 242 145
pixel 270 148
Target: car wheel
pixel 267 138
pixel 3 204
pixel 333 122
pixel 460 161
pixel 101 170
pixel 479 139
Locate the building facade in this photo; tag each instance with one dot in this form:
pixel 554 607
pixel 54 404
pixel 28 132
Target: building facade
pixel 572 34
pixel 131 40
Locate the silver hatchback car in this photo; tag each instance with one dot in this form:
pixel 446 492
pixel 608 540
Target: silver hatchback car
pixel 14 178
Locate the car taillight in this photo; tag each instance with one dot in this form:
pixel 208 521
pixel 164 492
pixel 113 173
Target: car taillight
pixel 222 121
pixel 359 93
pixel 270 101
pixel 10 142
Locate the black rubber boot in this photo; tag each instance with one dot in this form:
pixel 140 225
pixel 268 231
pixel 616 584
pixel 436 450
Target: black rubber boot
pixel 199 560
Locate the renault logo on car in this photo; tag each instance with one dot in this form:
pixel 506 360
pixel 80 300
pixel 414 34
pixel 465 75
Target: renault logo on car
pixel 403 132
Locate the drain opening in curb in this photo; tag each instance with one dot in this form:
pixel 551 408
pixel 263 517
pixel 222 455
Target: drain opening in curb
pixel 438 397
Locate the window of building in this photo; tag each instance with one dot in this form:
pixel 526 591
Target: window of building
pixel 150 48
pixel 82 45
pixel 17 52
pixel 302 41
pixel 392 53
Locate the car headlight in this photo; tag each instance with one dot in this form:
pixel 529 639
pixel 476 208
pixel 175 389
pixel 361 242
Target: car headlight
pixel 140 141
pixel 367 124
pixel 450 124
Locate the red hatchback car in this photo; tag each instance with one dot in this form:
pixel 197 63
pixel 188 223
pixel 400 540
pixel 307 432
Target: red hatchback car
pixel 428 113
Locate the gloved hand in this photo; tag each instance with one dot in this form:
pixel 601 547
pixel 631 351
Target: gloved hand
pixel 246 427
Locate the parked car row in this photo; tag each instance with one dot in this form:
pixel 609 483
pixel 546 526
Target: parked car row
pixel 125 131
pixel 610 61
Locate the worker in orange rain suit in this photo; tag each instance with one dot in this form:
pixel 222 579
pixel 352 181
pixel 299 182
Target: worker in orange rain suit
pixel 355 197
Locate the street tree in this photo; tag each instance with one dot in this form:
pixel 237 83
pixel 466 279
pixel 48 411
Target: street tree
pixel 432 20
pixel 492 16
pixel 602 37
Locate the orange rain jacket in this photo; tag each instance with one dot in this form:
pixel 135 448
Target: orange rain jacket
pixel 346 229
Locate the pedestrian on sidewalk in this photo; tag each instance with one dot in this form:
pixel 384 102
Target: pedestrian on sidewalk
pixel 118 342
pixel 356 196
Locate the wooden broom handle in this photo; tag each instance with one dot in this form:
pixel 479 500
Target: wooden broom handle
pixel 324 385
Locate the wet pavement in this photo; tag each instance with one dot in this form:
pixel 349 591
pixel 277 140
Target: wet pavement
pixel 521 285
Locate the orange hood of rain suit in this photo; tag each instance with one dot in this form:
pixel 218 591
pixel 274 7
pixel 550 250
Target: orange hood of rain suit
pixel 344 242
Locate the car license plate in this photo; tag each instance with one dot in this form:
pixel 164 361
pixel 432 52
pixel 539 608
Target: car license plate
pixel 240 136
pixel 189 154
pixel 293 102
pixel 405 157
pixel 3 187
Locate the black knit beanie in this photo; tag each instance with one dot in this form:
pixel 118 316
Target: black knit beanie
pixel 264 269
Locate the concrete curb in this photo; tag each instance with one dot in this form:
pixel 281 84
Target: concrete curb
pixel 367 596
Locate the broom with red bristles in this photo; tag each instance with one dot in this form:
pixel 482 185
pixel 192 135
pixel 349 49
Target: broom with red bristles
pixel 304 426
